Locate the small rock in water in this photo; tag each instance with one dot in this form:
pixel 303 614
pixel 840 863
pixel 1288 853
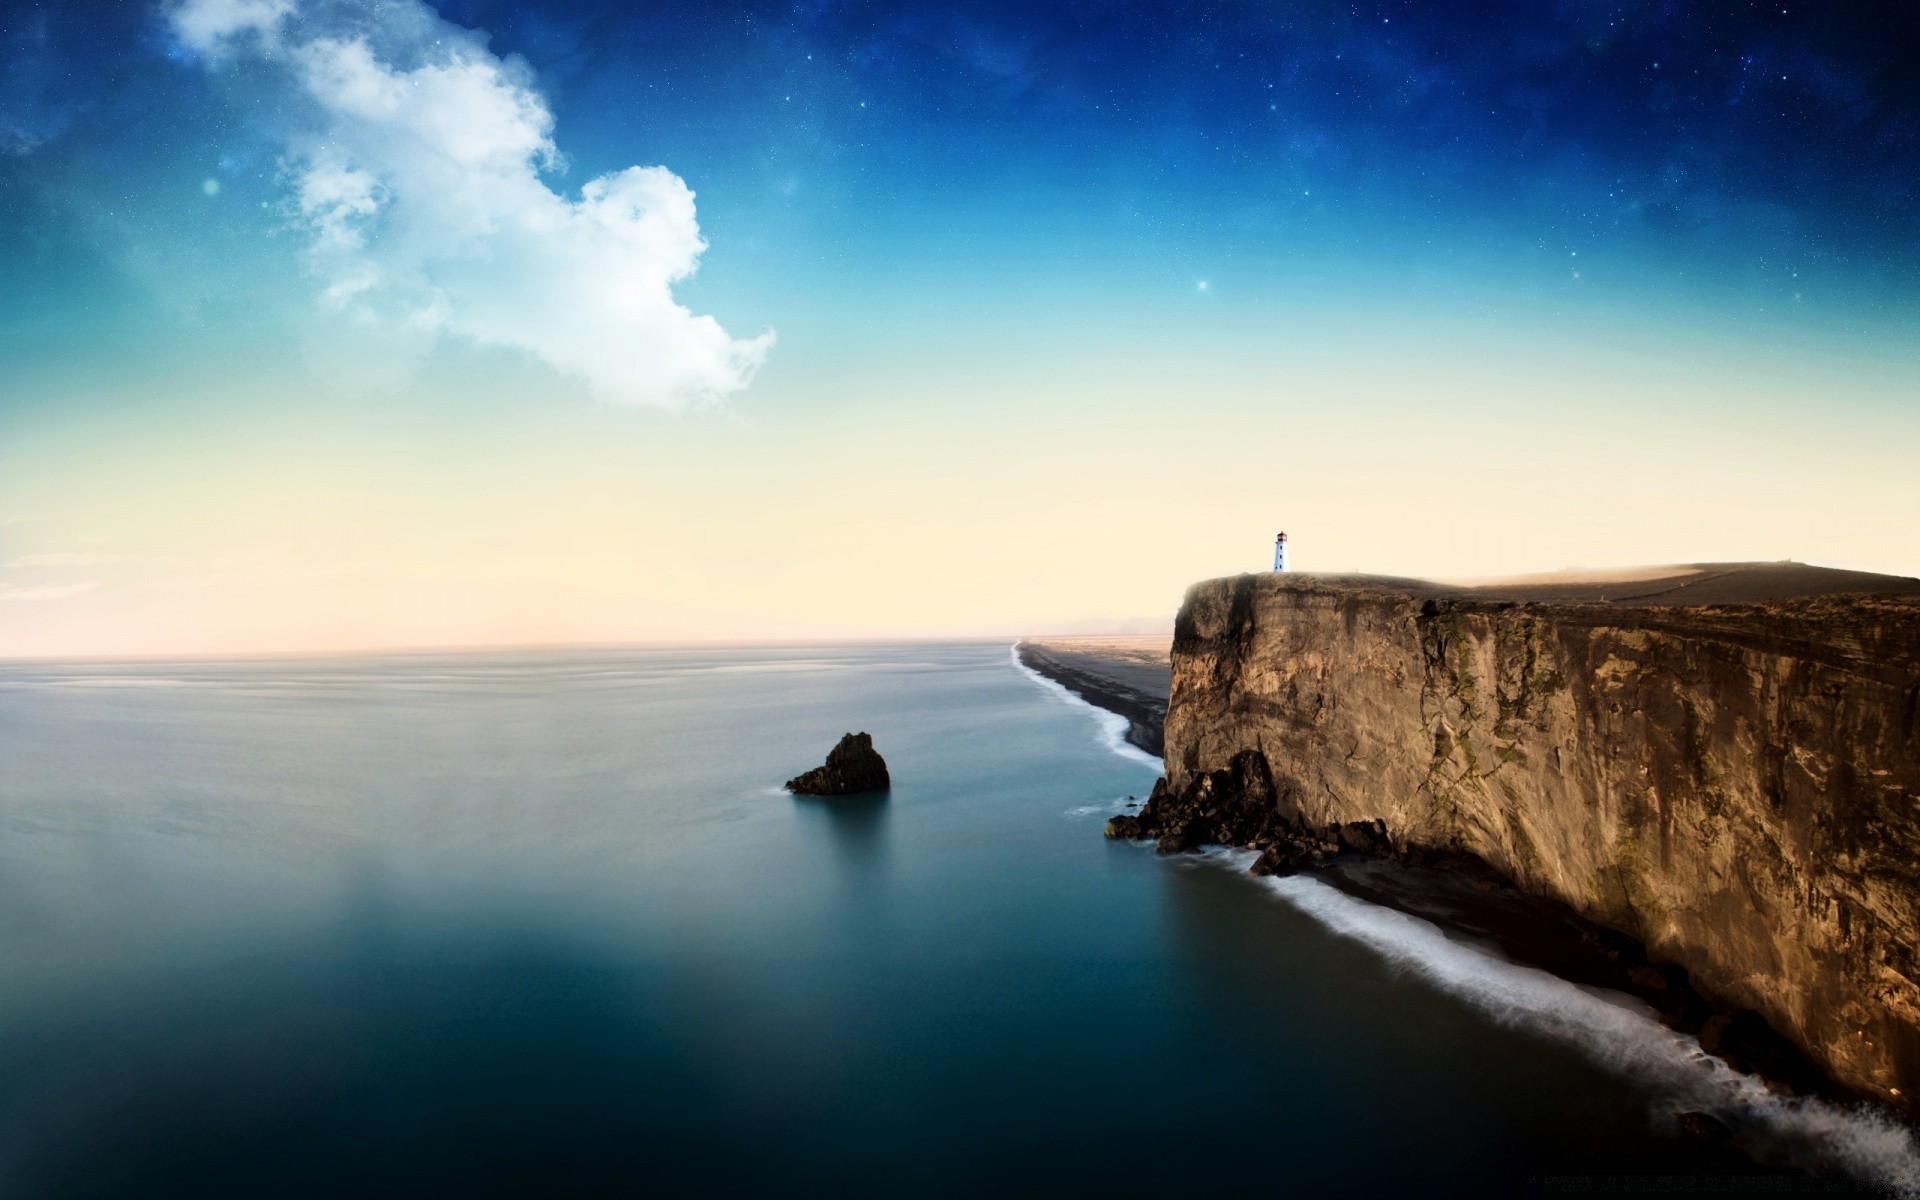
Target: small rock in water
pixel 852 766
pixel 1703 1126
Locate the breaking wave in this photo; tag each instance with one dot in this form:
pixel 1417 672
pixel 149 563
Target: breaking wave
pixel 1610 1029
pixel 1615 1032
pixel 1119 805
pixel 1113 726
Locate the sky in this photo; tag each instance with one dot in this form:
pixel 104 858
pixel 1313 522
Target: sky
pixel 347 324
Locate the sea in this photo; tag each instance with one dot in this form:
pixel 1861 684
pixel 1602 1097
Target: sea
pixel 544 922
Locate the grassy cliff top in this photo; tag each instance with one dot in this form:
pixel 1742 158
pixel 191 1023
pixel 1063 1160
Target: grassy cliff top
pixel 1687 584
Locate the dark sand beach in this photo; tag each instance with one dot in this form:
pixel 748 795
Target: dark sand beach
pixel 1129 675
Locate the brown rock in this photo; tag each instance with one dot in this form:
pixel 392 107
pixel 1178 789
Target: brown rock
pixel 1723 766
pixel 852 766
pixel 1648 977
pixel 1713 1033
pixel 1367 838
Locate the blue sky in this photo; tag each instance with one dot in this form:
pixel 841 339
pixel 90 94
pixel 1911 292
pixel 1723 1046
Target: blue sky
pixel 1745 156
pixel 1334 227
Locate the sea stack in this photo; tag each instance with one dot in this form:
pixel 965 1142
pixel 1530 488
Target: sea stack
pixel 852 766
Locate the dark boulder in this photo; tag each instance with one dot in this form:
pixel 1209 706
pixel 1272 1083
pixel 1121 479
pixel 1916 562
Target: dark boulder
pixel 1745 1042
pixel 1244 805
pixel 853 766
pixel 1648 976
pixel 1703 1127
pixel 1366 838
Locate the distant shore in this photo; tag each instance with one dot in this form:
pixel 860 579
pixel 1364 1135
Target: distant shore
pixel 1131 676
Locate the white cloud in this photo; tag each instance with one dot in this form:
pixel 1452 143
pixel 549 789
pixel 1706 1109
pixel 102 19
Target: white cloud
pixel 72 558
pixel 9 592
pixel 207 26
pixel 418 176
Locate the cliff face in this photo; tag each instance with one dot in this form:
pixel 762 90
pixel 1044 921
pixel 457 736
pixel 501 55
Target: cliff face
pixel 1737 785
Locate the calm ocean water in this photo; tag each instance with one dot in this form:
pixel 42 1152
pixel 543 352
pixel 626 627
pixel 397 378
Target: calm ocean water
pixel 542 922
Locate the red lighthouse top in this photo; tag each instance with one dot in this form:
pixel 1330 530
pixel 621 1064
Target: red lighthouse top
pixel 1281 538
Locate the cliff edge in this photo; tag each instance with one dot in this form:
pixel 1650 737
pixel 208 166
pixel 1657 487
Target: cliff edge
pixel 1721 761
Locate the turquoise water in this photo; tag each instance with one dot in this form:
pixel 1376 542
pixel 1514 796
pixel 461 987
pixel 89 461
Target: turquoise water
pixel 542 922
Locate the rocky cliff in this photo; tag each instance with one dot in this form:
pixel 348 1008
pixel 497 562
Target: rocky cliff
pixel 853 766
pixel 1723 763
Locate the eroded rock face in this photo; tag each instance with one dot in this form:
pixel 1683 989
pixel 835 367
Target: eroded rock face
pixel 1240 805
pixel 1737 786
pixel 852 766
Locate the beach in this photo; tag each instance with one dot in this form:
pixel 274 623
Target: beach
pixel 1129 675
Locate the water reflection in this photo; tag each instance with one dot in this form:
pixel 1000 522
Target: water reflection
pixel 857 826
pixel 549 931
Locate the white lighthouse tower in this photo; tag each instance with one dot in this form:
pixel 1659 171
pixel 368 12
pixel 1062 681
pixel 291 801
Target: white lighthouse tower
pixel 1280 553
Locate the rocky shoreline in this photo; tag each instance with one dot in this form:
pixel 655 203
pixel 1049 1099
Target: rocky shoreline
pixel 1229 797
pixel 1238 807
pixel 1719 761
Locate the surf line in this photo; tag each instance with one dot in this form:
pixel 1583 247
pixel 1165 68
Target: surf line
pixel 1616 1033
pixel 1113 726
pixel 1610 1030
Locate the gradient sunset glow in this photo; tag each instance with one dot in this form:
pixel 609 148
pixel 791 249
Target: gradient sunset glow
pixel 353 325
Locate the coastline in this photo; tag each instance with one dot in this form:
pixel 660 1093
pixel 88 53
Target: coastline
pixel 1130 677
pixel 1469 904
pixel 1460 894
pixel 1675 758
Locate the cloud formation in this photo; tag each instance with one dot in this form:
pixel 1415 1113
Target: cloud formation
pixel 82 558
pixel 416 161
pixel 56 592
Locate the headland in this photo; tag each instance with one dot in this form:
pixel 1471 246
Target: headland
pixel 1699 784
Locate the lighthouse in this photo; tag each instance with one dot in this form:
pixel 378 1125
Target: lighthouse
pixel 1280 553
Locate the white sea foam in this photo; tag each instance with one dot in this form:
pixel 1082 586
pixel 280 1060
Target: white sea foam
pixel 1609 1028
pixel 1619 1034
pixel 1119 805
pixel 1113 726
